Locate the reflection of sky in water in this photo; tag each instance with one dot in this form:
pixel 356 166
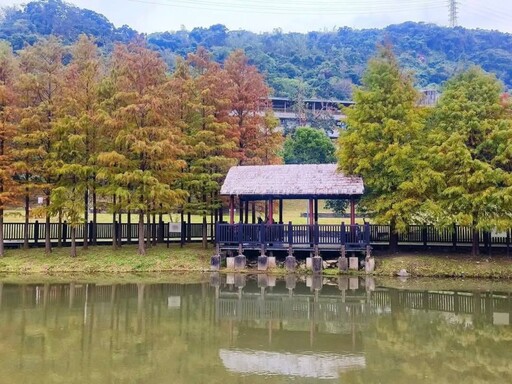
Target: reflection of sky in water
pixel 319 366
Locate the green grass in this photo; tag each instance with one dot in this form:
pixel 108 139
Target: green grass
pixel 104 259
pixel 292 210
pixel 104 262
pixel 453 265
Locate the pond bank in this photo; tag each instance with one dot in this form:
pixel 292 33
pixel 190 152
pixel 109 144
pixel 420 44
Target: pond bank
pixel 193 258
pixel 449 265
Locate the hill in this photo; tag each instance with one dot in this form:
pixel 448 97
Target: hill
pixel 314 64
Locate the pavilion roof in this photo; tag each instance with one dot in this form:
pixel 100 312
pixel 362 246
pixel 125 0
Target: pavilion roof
pixel 291 181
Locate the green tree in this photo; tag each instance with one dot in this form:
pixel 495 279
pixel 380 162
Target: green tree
pixel 471 137
pixel 382 139
pixel 308 146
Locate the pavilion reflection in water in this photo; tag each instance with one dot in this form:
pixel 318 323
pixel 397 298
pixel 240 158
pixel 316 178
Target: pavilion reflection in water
pixel 314 327
pixel 296 328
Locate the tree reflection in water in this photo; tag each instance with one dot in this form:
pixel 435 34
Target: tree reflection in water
pixel 243 329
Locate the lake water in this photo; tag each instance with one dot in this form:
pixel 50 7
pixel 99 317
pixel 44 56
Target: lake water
pixel 255 329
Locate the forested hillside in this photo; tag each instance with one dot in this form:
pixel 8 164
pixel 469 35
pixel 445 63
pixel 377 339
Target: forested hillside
pixel 322 64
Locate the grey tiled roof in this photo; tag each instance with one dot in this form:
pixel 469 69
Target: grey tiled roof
pixel 292 179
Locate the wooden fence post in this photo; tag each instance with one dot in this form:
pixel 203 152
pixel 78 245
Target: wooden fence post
pixel 290 234
pixel 36 233
pixel 161 231
pixel 424 235
pixel 91 231
pixel 508 241
pixel 183 233
pixel 64 232
pixel 454 236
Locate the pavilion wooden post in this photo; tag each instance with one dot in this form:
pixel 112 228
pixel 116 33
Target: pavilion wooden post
pixel 253 212
pixel 231 209
pixel 352 211
pixel 311 212
pixel 246 214
pixel 280 211
pixel 271 211
pixel 241 210
pixel 316 211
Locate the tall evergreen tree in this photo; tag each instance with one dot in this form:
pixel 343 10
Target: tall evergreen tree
pixel 255 127
pixel 210 144
pixel 40 86
pixel 8 119
pixel 77 129
pixel 380 143
pixel 471 139
pixel 145 141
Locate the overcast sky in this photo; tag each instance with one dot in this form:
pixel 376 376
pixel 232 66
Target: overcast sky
pixel 294 15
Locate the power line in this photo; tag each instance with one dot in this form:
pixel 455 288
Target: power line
pixel 326 7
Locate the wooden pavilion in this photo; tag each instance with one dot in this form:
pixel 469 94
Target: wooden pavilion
pixel 271 183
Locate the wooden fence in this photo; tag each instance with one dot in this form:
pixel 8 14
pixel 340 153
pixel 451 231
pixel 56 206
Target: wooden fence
pixel 103 233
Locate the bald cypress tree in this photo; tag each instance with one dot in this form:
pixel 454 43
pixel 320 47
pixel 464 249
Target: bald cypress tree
pixel 381 141
pixel 471 141
pixel 210 144
pixel 255 127
pixel 8 119
pixel 146 144
pixel 76 130
pixel 40 87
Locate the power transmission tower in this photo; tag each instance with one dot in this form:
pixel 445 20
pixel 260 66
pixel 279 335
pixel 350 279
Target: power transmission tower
pixel 453 10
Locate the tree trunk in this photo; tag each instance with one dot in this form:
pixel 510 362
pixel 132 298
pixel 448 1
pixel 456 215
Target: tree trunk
pixel 59 230
pixel 73 241
pixel 205 234
pixel 142 248
pixel 94 217
pixel 1 232
pixel 160 224
pixel 148 237
pixel 475 248
pixel 27 217
pixel 114 223
pixel 47 241
pixel 154 230
pixel 129 226
pixel 86 219
pixel 119 227
pixel 393 237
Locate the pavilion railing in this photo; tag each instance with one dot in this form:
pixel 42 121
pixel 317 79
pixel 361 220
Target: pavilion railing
pixel 277 235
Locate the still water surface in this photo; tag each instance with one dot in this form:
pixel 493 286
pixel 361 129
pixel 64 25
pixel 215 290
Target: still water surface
pixel 255 329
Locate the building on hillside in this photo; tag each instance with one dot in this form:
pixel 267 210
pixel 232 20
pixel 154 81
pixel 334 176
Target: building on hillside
pixel 325 114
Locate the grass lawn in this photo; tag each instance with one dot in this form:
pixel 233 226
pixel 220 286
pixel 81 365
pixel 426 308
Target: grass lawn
pixel 105 262
pixel 292 210
pixel 452 265
pixel 104 259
